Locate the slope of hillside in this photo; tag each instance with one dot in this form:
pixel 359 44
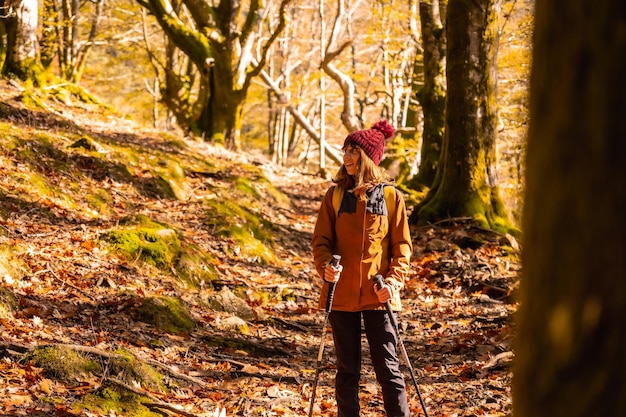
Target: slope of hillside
pixel 145 274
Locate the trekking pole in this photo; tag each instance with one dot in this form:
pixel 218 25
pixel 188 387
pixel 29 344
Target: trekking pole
pixel 329 302
pixel 379 281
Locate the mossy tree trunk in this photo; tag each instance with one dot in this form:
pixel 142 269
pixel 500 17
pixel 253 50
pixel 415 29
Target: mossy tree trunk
pixel 432 96
pixel 80 50
pixel 62 26
pixel 49 41
pixel 22 58
pixel 465 184
pixel 570 345
pixel 414 113
pixel 221 41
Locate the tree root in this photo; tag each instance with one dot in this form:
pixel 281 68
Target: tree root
pixel 154 401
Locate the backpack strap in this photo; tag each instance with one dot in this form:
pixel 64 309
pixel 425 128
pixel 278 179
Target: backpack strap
pixel 390 199
pixel 337 197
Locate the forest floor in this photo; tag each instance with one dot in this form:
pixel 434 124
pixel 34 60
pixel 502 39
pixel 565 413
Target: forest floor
pixel 459 300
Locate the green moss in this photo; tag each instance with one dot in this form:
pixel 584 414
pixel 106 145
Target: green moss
pixel 158 187
pixel 166 177
pixel 172 169
pixel 130 369
pixel 128 154
pixel 39 185
pixel 32 100
pixel 241 291
pixel 230 343
pixel 100 201
pixel 111 400
pixel 87 143
pixel 248 245
pixel 195 267
pixel 258 187
pixel 288 295
pixel 151 243
pixel 482 204
pixel 157 244
pixel 250 234
pixel 175 142
pixel 63 363
pixel 166 313
pixel 236 325
pixel 145 221
pixel 153 170
pixel 261 297
pixel 38 77
pixel 44 161
pixel 244 184
pixel 8 303
pixel 11 265
pixel 218 139
pixel 84 95
pixel 172 178
pixel 399 156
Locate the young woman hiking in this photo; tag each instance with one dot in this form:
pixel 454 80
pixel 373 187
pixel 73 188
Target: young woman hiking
pixel 364 220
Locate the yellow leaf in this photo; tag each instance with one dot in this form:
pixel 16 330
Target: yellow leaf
pixel 46 386
pixel 16 400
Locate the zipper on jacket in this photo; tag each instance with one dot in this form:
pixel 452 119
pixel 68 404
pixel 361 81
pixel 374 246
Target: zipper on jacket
pixel 363 236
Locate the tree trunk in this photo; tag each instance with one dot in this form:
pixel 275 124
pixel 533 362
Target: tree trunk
pixel 570 355
pixel 223 118
pixel 67 41
pixel 224 47
pixel 49 43
pixel 83 52
pixel 301 120
pixel 466 181
pixel 61 23
pixel 22 45
pixel 343 80
pixel 432 96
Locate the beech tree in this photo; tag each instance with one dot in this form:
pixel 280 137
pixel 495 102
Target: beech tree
pixel 223 44
pixel 20 19
pixel 466 181
pixel 570 346
pixel 62 27
pixel 432 94
pixel 366 60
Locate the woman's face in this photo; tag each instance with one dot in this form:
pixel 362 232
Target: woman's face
pixel 351 159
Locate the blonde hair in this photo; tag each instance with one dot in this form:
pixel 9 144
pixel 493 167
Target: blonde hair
pixel 367 176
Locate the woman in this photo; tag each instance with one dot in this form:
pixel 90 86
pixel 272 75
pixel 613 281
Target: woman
pixel 364 220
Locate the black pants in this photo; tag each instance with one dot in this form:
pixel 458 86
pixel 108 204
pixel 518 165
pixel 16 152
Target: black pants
pixel 382 341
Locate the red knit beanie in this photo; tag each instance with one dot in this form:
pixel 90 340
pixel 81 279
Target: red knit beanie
pixel 372 141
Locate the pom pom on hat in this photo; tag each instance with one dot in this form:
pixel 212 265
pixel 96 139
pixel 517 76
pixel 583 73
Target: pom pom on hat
pixel 372 140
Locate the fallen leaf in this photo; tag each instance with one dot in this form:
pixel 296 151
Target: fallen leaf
pixel 17 400
pixel 46 386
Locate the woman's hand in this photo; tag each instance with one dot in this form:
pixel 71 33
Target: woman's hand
pixel 332 273
pixel 384 293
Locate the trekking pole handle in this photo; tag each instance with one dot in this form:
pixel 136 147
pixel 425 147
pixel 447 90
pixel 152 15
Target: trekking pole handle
pixel 331 285
pixel 379 281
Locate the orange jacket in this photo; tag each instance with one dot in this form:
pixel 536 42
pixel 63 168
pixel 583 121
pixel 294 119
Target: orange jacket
pixel 369 244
